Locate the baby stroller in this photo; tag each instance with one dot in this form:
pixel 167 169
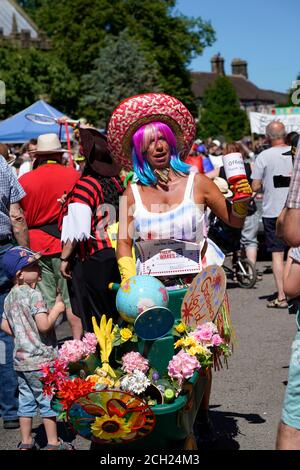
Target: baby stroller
pixel 228 239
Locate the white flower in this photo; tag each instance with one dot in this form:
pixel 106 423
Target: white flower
pixel 137 382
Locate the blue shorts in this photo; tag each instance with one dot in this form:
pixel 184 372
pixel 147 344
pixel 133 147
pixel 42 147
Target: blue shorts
pixel 291 406
pixel 31 397
pixel 273 243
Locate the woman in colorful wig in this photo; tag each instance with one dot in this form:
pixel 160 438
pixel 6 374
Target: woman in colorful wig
pixel 167 198
pixel 148 134
pixel 169 201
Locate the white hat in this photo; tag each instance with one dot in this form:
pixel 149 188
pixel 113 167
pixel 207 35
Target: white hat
pixel 223 186
pixel 48 143
pixel 217 142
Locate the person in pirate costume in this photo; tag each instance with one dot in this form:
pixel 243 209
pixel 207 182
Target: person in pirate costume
pixel 153 133
pixel 88 260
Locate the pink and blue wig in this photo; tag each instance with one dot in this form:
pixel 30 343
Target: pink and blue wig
pixel 141 140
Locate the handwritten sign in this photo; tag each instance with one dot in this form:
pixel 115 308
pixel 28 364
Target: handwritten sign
pixel 204 297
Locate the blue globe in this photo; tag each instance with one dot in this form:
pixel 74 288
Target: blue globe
pixel 138 294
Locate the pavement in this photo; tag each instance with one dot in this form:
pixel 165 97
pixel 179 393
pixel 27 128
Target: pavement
pixel 246 399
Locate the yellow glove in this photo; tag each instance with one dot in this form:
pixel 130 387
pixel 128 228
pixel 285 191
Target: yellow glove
pixel 105 336
pixel 240 209
pixel 112 232
pixel 127 268
pixel 242 186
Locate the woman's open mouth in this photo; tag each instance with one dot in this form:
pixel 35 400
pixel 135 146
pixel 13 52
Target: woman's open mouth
pixel 160 157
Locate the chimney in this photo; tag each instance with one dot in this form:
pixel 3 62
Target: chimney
pixel 239 67
pixel 14 25
pixel 217 64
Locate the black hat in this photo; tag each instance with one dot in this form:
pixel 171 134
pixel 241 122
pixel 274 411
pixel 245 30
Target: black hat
pixel 294 143
pixel 95 150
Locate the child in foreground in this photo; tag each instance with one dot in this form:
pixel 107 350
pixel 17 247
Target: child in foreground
pixel 27 319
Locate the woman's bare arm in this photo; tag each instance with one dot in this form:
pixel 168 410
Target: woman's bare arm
pixel 19 225
pixel 207 193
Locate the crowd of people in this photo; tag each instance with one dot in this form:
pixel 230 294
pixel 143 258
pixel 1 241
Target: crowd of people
pixel 57 253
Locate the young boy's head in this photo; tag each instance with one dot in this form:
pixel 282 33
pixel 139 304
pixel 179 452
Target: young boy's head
pixel 20 264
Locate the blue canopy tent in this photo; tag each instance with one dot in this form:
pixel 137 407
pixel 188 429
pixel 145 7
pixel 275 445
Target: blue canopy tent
pixel 18 129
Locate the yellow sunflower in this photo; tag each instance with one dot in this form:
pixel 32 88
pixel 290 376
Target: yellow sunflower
pixel 108 428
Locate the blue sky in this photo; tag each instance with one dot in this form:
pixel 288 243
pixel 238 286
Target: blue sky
pixel 265 33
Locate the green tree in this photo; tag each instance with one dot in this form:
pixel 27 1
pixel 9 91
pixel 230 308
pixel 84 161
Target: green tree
pixel 78 28
pixel 30 74
pixel 121 70
pixel 221 113
pixel 30 6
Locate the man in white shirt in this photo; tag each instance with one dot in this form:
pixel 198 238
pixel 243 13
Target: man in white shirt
pixel 272 171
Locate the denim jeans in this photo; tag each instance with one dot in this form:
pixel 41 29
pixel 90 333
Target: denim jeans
pixel 8 377
pixel 31 396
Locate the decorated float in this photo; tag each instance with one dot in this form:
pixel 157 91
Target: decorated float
pixel 144 378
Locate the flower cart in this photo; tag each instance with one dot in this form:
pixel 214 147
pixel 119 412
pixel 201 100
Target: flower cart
pixel 117 388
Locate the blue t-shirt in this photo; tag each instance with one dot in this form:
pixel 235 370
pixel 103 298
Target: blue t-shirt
pixel 207 164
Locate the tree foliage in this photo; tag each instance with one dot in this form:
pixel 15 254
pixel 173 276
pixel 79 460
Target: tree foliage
pixel 78 28
pixel 31 74
pixel 221 113
pixel 121 70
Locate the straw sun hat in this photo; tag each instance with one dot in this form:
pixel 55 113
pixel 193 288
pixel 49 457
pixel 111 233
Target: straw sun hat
pixel 136 111
pixel 223 186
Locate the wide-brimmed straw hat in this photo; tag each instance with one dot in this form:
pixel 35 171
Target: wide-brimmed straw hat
pixel 223 186
pixel 136 111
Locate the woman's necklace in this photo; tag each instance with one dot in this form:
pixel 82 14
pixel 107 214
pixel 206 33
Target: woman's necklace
pixel 163 175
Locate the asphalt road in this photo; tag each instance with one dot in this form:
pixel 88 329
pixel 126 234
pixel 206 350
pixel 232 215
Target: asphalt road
pixel 246 399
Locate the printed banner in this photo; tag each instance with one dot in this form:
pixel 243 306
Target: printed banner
pixel 168 257
pixel 259 121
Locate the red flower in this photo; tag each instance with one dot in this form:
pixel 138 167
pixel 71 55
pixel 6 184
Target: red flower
pixel 53 376
pixel 70 390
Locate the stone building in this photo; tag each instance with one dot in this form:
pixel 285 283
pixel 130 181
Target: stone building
pixel 251 97
pixel 18 29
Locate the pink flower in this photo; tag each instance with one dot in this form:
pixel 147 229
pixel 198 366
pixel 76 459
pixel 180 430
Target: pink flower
pixel 89 343
pixel 217 340
pixel 134 361
pixel 71 351
pixel 205 332
pixel 182 366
